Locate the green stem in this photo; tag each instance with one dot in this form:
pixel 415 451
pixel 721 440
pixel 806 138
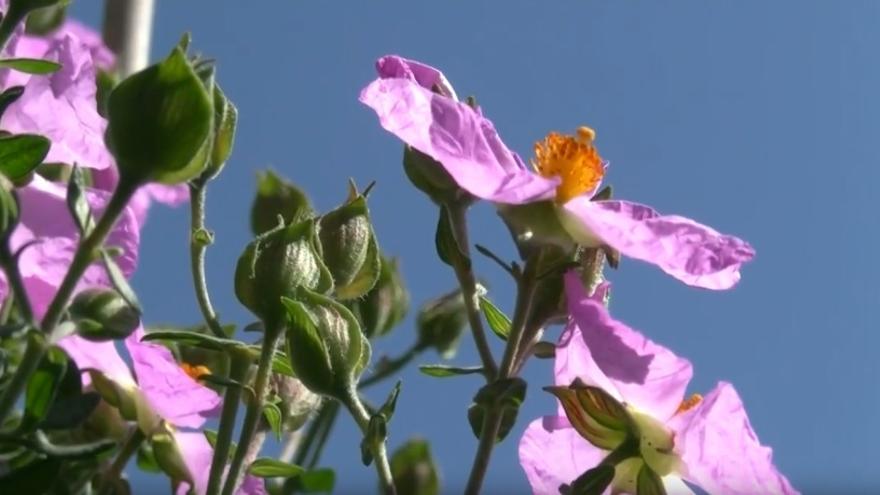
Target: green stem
pixel 272 335
pixel 324 434
pixel 13 276
pixel 84 256
pixel 238 368
pixel 131 445
pixel 197 250
pixel 468 283
pixel 392 366
pixel 380 453
pixel 492 422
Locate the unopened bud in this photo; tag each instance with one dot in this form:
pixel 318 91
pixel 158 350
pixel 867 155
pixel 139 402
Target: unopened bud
pixel 103 314
pixel 386 304
pixel 278 197
pixel 441 322
pixel 429 176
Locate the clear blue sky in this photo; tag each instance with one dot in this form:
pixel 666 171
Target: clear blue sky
pixel 759 118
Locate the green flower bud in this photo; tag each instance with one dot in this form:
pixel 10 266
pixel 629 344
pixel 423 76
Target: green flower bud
pixel 297 401
pixel 440 323
pixel 275 264
pixel 386 304
pixel 103 314
pixel 327 350
pixel 9 212
pixel 277 197
pixel 225 120
pixel 169 457
pixel 160 123
pixel 349 247
pixel 414 470
pixel 432 179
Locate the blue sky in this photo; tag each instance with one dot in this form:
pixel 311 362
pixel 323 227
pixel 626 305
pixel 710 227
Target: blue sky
pixel 758 118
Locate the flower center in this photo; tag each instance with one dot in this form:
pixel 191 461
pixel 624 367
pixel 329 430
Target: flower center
pixel 195 372
pixel 573 159
pixel 656 444
pixel 689 403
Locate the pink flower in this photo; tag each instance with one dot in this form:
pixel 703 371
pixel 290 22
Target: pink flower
pixel 707 442
pixel 417 104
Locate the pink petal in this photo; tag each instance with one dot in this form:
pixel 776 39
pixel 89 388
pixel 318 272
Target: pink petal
pixel 611 355
pixel 197 453
pixel 144 197
pixel 393 66
pixel 552 453
pixel 61 106
pixel 721 452
pixel 171 393
pixel 463 141
pixel 693 253
pixel 101 356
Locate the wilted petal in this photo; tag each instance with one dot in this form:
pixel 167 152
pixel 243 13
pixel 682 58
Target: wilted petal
pixel 454 134
pixel 171 393
pixel 552 453
pixel 393 66
pixel 693 253
pixel 644 374
pixel 721 452
pixel 197 453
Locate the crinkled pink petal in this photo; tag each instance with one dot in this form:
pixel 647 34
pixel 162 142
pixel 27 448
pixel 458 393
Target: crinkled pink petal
pixel 197 454
pixel 693 253
pixel 463 141
pixel 62 105
pixel 394 66
pixel 100 356
pixel 646 375
pixel 46 224
pixel 171 393
pixel 552 453
pixel 101 55
pixel 721 452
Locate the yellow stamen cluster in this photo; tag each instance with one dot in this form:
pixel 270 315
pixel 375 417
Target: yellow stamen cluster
pixel 195 372
pixel 573 159
pixel 689 403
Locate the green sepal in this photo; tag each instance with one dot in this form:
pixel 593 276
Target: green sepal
pixel 508 394
pixel 349 248
pixel 272 468
pixel 595 415
pixel 498 322
pixel 444 371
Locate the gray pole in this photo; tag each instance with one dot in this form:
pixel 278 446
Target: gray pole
pixel 128 26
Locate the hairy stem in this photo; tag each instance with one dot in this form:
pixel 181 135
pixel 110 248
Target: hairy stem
pixel 13 276
pixel 238 368
pixel 468 283
pixel 197 249
pixel 131 445
pixel 255 408
pixel 380 453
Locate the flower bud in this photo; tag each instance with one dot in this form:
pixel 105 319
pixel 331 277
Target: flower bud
pixel 431 178
pixel 225 120
pixel 386 304
pixel 327 350
pixel 414 470
pixel 349 247
pixel 275 264
pixel 277 197
pixel 160 123
pixel 169 457
pixel 103 314
pixel 440 323
pixel 297 401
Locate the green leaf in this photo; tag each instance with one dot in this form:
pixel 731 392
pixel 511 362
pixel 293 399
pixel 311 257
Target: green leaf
pixel 414 470
pixel 44 21
pixel 200 340
pixel 119 282
pixel 20 154
pixel 9 96
pixel 448 248
pixel 272 413
pixel 37 477
pixel 498 321
pixel 507 394
pixel 649 483
pixel 593 481
pixel 77 204
pixel 271 468
pixel 211 436
pixel 313 481
pixel 444 371
pixel 387 409
pixel 160 123
pixel 30 65
pixel 43 386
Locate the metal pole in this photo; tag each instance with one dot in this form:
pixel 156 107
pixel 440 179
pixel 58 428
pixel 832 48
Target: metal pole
pixel 128 26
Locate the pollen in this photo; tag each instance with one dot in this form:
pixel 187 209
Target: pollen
pixel 195 372
pixel 573 159
pixel 689 403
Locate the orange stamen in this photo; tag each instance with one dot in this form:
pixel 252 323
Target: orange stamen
pixel 689 403
pixel 195 372
pixel 573 159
